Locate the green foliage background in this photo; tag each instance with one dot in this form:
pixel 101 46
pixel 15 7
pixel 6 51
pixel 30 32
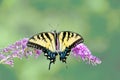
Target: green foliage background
pixel 98 21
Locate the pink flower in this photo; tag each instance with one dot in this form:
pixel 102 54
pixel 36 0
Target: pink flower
pixel 84 53
pixel 17 50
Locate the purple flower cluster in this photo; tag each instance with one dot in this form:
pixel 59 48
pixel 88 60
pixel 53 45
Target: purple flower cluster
pixel 84 53
pixel 19 50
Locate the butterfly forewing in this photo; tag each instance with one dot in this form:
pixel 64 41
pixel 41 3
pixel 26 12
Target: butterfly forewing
pixel 68 39
pixel 43 40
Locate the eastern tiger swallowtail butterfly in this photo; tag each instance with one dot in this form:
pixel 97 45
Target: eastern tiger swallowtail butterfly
pixel 53 44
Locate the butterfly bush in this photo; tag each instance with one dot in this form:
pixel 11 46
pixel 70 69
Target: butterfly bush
pixel 19 50
pixel 84 53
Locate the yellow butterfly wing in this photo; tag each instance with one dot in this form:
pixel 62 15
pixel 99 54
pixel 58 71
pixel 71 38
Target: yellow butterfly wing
pixel 45 40
pixel 68 39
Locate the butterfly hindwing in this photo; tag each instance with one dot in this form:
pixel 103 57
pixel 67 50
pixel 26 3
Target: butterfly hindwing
pixel 67 40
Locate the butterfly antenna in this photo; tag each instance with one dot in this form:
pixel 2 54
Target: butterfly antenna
pixel 52 27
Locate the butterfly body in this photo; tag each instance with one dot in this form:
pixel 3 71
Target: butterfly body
pixel 53 44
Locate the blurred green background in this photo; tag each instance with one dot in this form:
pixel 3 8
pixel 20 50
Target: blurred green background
pixel 98 21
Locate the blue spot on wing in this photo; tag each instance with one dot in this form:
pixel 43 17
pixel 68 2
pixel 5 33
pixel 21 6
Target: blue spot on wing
pixel 64 54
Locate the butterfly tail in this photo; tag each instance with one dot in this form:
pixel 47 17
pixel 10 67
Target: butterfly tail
pixel 49 65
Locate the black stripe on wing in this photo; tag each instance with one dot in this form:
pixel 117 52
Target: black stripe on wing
pixel 43 37
pixel 64 34
pixel 69 35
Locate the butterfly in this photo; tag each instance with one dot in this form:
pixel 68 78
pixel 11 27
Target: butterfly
pixel 55 43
